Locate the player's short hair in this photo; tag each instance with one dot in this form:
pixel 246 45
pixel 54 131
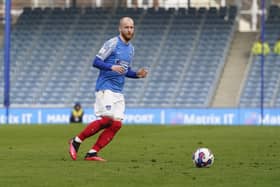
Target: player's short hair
pixel 124 18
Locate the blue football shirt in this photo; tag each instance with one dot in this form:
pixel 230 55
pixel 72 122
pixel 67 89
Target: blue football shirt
pixel 114 52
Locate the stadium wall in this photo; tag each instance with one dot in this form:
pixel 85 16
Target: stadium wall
pixel 169 116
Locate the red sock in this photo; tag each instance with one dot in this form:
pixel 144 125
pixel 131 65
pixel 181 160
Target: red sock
pixel 94 127
pixel 107 135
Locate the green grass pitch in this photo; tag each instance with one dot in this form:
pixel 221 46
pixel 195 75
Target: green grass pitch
pixel 148 156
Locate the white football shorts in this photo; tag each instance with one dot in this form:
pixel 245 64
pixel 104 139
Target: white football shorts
pixel 108 103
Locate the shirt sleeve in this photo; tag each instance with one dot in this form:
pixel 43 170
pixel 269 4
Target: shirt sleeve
pixel 107 48
pixel 131 74
pixel 100 64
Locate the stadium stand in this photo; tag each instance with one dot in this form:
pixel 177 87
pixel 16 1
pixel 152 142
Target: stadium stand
pixel 53 48
pixel 251 92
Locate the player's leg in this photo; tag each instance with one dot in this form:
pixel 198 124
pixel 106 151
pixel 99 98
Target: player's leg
pixel 109 133
pixel 104 138
pixel 95 126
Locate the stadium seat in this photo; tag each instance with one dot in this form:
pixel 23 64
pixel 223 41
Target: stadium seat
pixel 60 43
pixel 251 91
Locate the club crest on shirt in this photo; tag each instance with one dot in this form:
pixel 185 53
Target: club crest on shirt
pixel 108 107
pixel 122 63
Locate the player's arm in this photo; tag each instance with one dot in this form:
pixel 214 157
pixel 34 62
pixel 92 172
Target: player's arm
pixel 131 74
pixel 106 50
pixel 141 73
pixel 100 64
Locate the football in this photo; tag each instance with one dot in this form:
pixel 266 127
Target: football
pixel 203 157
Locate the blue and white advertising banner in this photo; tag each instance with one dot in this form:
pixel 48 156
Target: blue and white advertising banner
pixel 253 117
pixel 201 116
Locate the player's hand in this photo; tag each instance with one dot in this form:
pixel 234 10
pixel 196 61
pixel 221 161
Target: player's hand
pixel 142 73
pixel 119 69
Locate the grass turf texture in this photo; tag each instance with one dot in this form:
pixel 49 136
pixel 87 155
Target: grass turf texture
pixel 141 156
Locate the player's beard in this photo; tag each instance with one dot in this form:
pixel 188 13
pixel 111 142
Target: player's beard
pixel 127 36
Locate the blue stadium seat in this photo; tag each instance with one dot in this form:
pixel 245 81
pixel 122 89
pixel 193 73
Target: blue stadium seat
pixel 60 44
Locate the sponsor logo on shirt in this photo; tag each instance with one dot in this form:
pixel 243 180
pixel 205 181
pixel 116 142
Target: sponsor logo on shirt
pixel 124 64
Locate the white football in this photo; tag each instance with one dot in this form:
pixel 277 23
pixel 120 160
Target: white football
pixel 203 157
